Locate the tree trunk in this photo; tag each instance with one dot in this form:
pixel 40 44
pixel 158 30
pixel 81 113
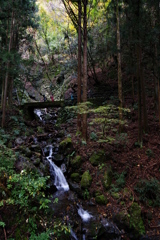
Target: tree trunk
pixel 7 73
pixel 145 117
pixel 79 63
pixel 84 129
pixel 120 96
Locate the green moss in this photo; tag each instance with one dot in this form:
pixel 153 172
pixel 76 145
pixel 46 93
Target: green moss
pixel 76 162
pixel 86 180
pixel 136 221
pixel 97 158
pixel 75 177
pixel 115 195
pixel 101 199
pixel 65 142
pixel 107 179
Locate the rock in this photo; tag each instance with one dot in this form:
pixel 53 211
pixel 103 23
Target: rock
pixel 108 231
pixel 136 221
pixel 86 180
pixel 76 162
pixel 131 221
pixel 75 177
pixel 19 141
pixel 37 161
pixel 101 199
pixel 66 146
pixel 35 148
pixel 97 158
pixel 107 179
pixel 58 158
pixel 75 187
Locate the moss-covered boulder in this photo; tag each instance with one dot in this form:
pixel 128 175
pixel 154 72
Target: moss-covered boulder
pixel 98 158
pixel 75 177
pixel 76 162
pixel 66 146
pixel 136 221
pixel 86 180
pixel 101 199
pixel 107 179
pixel 131 221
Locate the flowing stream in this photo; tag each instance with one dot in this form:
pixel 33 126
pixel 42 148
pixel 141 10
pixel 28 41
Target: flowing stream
pixel 69 200
pixel 60 181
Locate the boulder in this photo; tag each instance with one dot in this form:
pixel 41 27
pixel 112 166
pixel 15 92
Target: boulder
pixel 75 177
pixel 98 158
pixel 107 179
pixel 86 180
pixel 101 199
pixel 66 146
pixel 76 162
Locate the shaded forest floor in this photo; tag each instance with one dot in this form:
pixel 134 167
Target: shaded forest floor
pixel 128 161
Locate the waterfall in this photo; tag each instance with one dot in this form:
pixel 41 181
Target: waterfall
pixel 86 216
pixel 38 113
pixel 60 181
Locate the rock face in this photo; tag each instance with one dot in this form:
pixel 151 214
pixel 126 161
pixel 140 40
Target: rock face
pixel 86 180
pixel 98 158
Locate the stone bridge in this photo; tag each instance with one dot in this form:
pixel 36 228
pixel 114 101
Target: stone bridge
pixel 28 108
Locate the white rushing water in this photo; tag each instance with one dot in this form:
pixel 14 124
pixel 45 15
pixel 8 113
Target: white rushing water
pixel 86 216
pixel 38 113
pixel 60 181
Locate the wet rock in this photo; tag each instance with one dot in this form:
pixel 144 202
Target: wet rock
pixel 101 199
pixel 97 158
pixel 107 179
pixel 75 187
pixel 108 231
pixel 86 180
pixel 58 159
pixel 75 177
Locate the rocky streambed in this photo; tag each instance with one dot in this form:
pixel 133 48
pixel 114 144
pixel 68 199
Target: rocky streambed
pixel 51 151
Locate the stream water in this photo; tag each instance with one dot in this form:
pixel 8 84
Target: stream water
pixel 84 221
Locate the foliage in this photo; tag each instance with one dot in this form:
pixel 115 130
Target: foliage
pixel 86 194
pixel 149 191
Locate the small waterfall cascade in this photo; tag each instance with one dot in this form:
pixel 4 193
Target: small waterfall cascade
pixel 60 181
pixel 38 113
pixel 85 216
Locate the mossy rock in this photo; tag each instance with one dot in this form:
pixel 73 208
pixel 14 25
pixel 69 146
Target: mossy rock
pixel 101 199
pixel 76 162
pixel 75 177
pixel 86 180
pixel 115 195
pixel 107 179
pixel 97 158
pixel 40 129
pixel 136 221
pixel 66 146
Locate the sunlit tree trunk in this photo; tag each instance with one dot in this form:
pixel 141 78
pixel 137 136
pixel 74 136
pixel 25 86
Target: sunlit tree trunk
pixel 84 127
pixel 79 63
pixel 119 70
